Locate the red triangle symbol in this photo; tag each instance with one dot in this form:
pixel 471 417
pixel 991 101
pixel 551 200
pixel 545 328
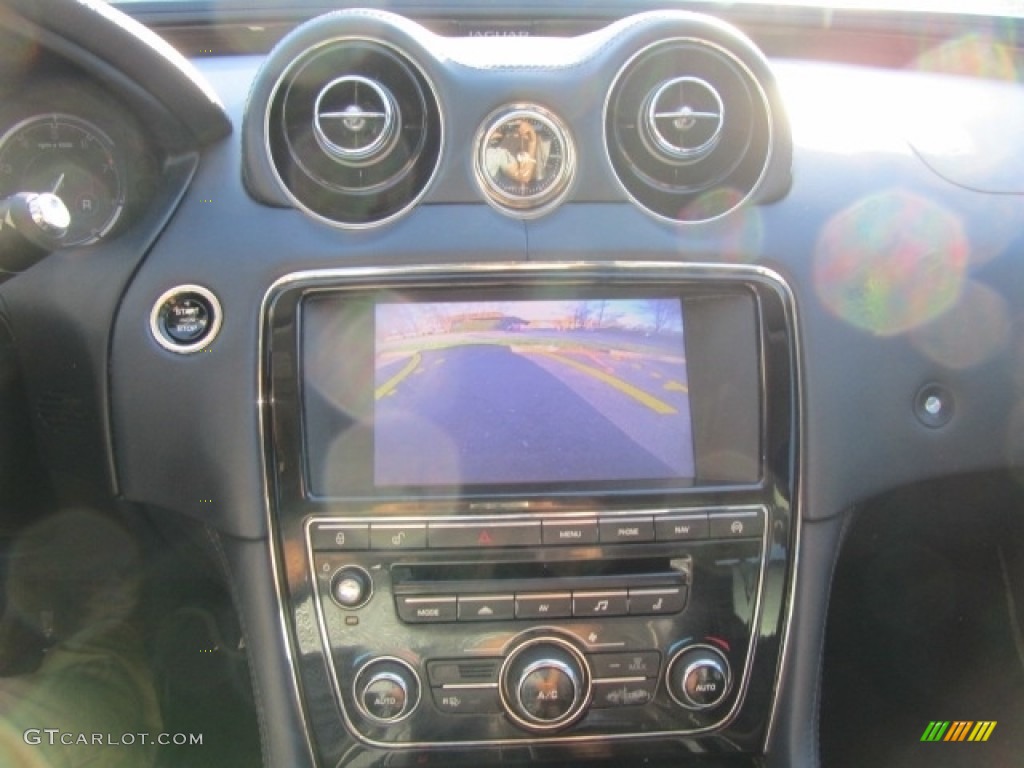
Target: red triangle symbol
pixel 484 539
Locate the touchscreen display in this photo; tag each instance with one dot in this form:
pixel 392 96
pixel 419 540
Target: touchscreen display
pixel 530 392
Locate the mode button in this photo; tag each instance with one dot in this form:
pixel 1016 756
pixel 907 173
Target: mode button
pixel 427 610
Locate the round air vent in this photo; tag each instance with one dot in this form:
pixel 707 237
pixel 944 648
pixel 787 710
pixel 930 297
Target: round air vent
pixel 688 130
pixel 354 132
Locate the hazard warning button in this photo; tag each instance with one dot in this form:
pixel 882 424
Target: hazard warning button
pixel 499 533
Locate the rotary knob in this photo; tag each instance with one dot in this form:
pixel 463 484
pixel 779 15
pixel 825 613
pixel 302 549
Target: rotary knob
pixel 387 690
pixel 351 587
pixel 698 677
pixel 545 685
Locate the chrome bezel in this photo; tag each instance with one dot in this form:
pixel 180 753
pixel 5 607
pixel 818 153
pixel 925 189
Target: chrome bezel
pixel 724 667
pixel 656 141
pixel 357 689
pixel 197 346
pixel 582 683
pixel 527 206
pixel 275 172
pixel 692 270
pixel 759 89
pixel 376 149
pixel 369 589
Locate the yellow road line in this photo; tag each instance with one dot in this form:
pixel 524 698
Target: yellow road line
pixel 656 405
pixel 675 386
pixel 388 386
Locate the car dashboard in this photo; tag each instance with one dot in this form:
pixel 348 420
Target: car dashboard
pixel 519 371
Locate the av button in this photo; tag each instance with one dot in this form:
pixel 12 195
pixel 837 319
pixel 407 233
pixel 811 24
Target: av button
pixel 554 605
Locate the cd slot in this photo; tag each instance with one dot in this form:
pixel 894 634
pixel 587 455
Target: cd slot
pixel 590 574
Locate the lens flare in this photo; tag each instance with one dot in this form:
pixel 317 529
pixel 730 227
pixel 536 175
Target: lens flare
pixel 973 331
pixel 891 262
pixel 973 55
pixel 1014 450
pixel 737 237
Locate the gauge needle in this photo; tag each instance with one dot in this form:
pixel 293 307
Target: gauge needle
pixel 57 186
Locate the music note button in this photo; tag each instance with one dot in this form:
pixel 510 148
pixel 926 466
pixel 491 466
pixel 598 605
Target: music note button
pixel 596 604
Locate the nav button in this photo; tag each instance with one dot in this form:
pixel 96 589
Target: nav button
pixel 687 527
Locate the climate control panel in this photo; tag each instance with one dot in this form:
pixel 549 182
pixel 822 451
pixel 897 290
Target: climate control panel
pixel 448 631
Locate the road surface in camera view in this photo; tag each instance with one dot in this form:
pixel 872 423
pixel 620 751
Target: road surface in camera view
pixel 501 406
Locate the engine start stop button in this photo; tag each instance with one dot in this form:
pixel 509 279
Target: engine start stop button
pixel 186 319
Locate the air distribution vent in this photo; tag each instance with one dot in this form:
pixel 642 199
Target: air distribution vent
pixel 354 132
pixel 688 129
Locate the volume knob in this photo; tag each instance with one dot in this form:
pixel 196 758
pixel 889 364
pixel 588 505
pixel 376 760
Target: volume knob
pixel 545 685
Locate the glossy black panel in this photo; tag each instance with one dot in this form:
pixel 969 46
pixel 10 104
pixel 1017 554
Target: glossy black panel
pixel 436 597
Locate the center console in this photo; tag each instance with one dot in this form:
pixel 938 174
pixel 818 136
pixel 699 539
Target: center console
pixel 534 509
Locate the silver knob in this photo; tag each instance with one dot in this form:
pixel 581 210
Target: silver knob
pixel 49 213
pixel 545 685
pixel 699 677
pixel 387 690
pixel 351 587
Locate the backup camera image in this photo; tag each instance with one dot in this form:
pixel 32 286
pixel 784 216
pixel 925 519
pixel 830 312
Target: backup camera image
pixel 531 392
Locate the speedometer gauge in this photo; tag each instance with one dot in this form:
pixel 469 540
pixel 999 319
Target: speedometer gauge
pixel 72 159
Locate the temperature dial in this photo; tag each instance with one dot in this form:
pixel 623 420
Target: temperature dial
pixel 387 690
pixel 545 685
pixel 698 677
